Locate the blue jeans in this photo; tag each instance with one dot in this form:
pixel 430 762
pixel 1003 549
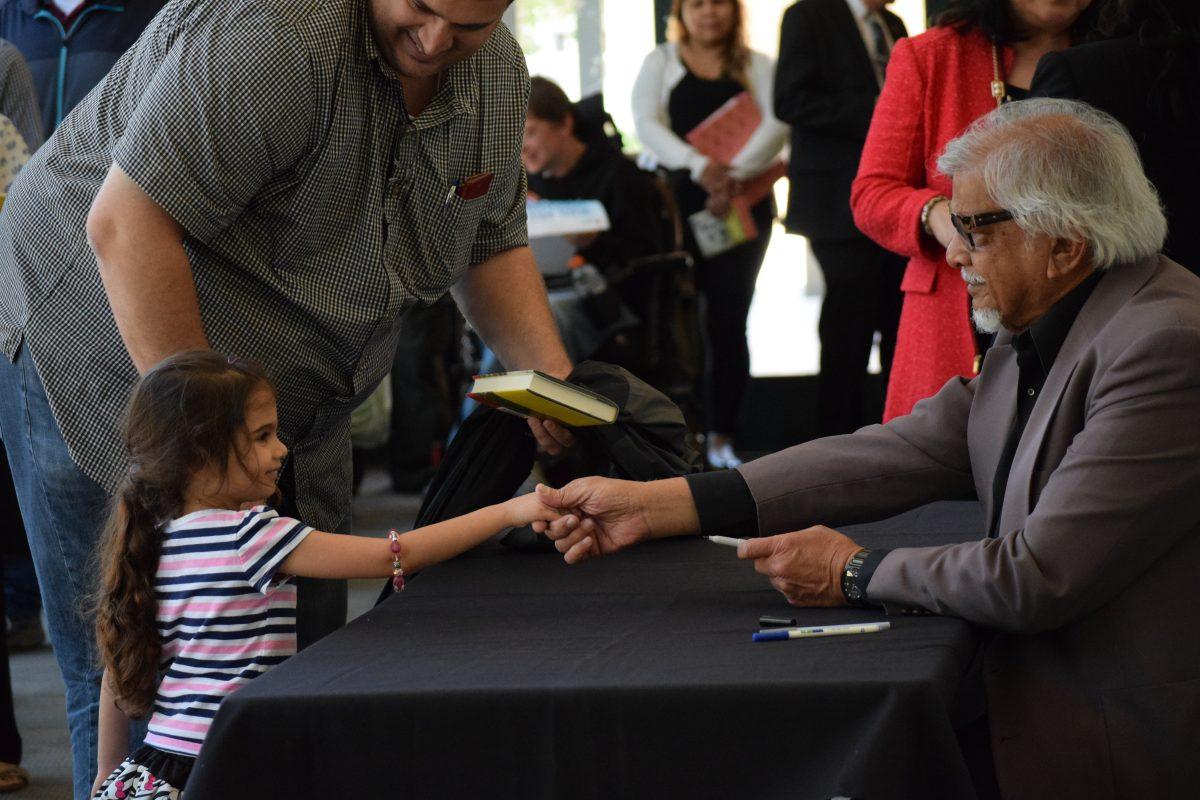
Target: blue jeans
pixel 64 511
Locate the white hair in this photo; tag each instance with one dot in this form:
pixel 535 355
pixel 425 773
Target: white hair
pixel 987 320
pixel 1066 170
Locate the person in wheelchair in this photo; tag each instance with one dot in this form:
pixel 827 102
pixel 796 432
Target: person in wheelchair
pixel 629 300
pixel 570 155
pixel 569 158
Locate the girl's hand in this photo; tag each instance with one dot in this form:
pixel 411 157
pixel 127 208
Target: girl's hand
pixel 527 508
pixel 602 516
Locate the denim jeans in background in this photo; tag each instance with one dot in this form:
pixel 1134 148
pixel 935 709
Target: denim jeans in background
pixel 64 511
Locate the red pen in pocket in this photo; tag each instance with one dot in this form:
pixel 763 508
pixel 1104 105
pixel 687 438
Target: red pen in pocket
pixel 474 187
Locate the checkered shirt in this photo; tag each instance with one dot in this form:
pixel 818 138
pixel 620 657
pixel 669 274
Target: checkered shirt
pixel 315 210
pixel 18 97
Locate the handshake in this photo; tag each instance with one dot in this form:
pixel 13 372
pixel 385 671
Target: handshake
pixel 599 516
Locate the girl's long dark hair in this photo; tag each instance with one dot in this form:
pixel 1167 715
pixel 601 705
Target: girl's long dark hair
pixel 1171 30
pixel 995 21
pixel 183 415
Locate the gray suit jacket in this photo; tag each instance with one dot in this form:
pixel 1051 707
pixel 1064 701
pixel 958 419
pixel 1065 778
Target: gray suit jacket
pixel 1093 671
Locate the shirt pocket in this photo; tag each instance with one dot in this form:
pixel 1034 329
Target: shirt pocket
pixel 458 231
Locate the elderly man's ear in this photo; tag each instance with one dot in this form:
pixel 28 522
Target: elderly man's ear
pixel 1069 258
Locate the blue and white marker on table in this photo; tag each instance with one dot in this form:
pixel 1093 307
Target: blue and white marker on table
pixel 783 634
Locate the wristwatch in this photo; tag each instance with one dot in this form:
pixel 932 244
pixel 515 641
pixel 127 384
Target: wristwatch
pixel 852 588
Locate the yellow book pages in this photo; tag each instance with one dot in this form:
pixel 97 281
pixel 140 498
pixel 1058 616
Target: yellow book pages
pixel 531 393
pixel 525 403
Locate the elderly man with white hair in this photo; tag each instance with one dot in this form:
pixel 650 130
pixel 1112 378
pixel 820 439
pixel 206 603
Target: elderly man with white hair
pixel 1080 437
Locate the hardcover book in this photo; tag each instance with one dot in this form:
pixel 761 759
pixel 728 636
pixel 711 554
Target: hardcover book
pixel 530 393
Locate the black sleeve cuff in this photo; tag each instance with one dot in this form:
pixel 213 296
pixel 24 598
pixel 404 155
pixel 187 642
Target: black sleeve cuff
pixel 870 564
pixel 723 503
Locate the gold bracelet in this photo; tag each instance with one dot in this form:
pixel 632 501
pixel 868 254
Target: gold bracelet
pixel 927 209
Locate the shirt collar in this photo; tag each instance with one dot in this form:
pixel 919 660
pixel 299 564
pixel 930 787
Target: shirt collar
pixel 860 11
pixel 462 79
pixel 1048 333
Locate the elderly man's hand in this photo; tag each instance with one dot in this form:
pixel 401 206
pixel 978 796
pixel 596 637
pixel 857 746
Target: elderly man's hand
pixel 806 566
pixel 602 515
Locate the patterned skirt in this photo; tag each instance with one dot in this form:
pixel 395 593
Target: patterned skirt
pixel 148 774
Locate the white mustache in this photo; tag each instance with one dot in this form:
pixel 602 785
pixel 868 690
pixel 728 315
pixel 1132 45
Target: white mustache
pixel 971 278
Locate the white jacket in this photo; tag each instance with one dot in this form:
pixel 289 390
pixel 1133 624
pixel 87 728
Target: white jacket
pixel 661 72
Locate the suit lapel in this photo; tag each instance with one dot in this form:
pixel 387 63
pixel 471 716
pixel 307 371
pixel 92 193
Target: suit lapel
pixel 1111 293
pixel 992 416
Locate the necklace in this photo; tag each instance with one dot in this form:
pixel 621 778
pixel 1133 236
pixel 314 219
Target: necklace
pixel 999 90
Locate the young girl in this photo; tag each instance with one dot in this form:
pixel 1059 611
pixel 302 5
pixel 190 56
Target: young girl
pixel 195 598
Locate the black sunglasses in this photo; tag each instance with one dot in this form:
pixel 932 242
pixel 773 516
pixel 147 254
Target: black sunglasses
pixel 966 224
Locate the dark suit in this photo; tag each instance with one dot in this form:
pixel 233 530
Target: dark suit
pixel 1092 663
pixel 1118 77
pixel 825 88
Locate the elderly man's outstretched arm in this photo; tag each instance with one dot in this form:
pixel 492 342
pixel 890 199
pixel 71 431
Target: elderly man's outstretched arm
pixel 874 473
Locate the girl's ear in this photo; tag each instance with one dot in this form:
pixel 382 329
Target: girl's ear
pixel 204 478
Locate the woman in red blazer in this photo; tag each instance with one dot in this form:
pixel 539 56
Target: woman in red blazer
pixel 937 84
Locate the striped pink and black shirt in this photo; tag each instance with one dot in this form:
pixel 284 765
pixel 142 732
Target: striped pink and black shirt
pixel 223 616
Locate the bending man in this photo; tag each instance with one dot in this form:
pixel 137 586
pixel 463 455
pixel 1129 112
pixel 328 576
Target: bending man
pixel 279 180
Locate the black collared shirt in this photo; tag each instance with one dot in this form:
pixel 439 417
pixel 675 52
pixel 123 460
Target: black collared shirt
pixel 723 500
pixel 1036 349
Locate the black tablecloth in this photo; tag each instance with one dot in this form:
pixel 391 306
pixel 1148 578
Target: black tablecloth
pixel 507 674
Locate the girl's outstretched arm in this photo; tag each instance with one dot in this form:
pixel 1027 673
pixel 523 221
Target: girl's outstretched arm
pixel 113 730
pixel 330 555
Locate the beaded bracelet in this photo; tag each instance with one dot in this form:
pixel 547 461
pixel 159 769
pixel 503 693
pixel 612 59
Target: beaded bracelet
pixel 927 210
pixel 397 568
